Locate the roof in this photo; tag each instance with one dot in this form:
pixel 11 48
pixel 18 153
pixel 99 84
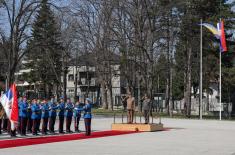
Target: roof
pixel 91 59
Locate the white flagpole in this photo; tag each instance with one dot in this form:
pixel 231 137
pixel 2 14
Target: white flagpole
pixel 220 86
pixel 200 99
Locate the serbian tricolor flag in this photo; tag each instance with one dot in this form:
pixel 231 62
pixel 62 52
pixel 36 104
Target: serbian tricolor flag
pixel 9 102
pixel 220 27
pixel 218 33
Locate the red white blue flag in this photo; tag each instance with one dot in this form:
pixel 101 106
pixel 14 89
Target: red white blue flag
pixel 9 102
pixel 218 33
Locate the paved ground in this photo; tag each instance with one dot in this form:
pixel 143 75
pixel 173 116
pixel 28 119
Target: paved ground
pixel 188 137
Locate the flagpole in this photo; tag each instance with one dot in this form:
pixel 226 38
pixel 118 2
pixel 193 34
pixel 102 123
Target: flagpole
pixel 220 85
pixel 220 79
pixel 200 99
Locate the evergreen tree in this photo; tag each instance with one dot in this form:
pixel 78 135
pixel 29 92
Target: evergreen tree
pixel 45 50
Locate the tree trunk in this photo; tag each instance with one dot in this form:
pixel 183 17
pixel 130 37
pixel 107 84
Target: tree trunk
pixel 104 96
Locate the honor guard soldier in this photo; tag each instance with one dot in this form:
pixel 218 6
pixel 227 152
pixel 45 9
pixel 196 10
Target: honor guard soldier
pixel 23 106
pixel 35 116
pixel 77 114
pixel 20 101
pixel 45 116
pixel 87 116
pixel 29 119
pixel 61 108
pixel 40 115
pixel 69 114
pixel 52 115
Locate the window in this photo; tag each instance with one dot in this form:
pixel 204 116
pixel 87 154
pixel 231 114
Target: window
pixel 70 77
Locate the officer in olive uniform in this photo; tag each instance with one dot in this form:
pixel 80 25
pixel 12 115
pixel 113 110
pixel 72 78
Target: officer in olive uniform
pixel 45 116
pixel 77 114
pixel 61 108
pixel 146 108
pixel 23 106
pixel 69 114
pixel 87 116
pixel 52 115
pixel 35 116
pixel 1 117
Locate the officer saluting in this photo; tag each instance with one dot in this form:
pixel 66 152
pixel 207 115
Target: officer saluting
pixel 23 106
pixel 61 108
pixel 77 114
pixel 35 116
pixel 52 115
pixel 69 114
pixel 45 116
pixel 87 116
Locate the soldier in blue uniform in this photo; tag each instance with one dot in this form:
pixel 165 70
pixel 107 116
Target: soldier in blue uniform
pixel 29 120
pixel 52 115
pixel 77 114
pixel 35 116
pixel 23 106
pixel 20 101
pixel 87 116
pixel 45 116
pixel 69 114
pixel 61 108
pixel 40 114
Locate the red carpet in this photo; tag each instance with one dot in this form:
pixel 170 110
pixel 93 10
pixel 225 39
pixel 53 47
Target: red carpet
pixel 58 138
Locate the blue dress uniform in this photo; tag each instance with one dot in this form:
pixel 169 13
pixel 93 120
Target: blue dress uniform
pixel 23 106
pixel 40 116
pixel 20 101
pixel 29 119
pixel 45 116
pixel 87 117
pixel 69 114
pixel 35 117
pixel 61 108
pixel 77 115
pixel 52 116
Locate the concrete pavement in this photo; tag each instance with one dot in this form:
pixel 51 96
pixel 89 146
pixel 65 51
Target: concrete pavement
pixel 187 137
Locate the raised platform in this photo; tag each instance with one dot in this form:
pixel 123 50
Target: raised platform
pixel 137 127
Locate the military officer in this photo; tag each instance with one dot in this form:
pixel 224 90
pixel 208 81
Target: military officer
pixel 40 115
pixel 130 108
pixel 87 116
pixel 1 117
pixel 68 114
pixel 52 115
pixel 61 108
pixel 35 116
pixel 146 108
pixel 45 116
pixel 20 101
pixel 77 114
pixel 29 120
pixel 23 106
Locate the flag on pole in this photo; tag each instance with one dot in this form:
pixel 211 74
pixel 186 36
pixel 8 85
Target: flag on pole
pixel 218 33
pixel 223 46
pixel 9 102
